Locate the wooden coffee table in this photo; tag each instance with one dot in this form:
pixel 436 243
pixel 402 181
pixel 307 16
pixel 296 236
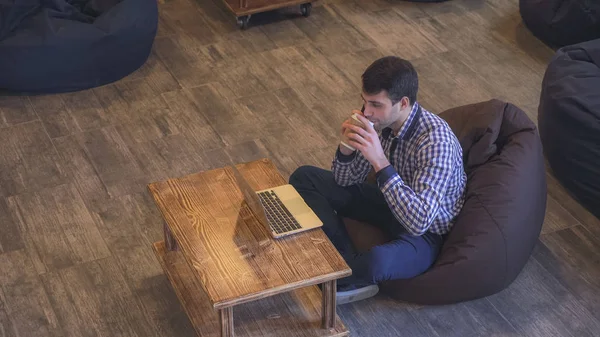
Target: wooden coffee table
pixel 218 257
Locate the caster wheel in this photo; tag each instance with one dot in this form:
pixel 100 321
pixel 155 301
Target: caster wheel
pixel 242 21
pixel 305 9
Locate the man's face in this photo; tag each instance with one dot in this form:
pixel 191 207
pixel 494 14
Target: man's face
pixel 380 111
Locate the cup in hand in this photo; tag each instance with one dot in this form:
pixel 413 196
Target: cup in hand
pixel 354 121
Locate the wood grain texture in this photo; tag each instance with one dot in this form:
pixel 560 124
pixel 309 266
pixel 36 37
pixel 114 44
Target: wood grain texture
pixel 24 299
pixel 52 111
pixel 158 77
pixel 328 304
pixel 190 69
pixel 473 318
pixel 127 101
pixel 221 238
pixel 93 299
pixel 86 110
pixel 81 170
pixel 6 326
pixel 58 227
pixel 537 304
pixel 581 276
pixel 226 318
pixel 113 161
pixel 29 161
pixel 194 117
pixel 295 313
pixel 11 238
pixel 580 286
pixel 15 110
pixel 333 34
pixel 557 217
pixel 381 27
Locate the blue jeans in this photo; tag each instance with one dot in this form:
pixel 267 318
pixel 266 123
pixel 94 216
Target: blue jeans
pixel 404 256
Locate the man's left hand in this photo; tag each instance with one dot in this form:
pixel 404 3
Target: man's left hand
pixel 367 142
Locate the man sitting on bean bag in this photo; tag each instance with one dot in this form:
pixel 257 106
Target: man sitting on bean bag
pixel 420 186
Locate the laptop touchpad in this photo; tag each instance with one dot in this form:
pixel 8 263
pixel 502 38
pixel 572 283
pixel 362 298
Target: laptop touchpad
pixel 297 206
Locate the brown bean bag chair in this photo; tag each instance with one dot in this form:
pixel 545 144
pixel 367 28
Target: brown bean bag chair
pixel 502 217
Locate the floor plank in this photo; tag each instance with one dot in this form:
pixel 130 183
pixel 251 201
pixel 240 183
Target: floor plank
pixel 380 316
pixel 86 110
pixel 475 318
pixel 29 160
pixel 557 217
pixel 580 275
pixel 93 299
pixel 536 304
pixel 113 162
pixel 25 299
pixel 82 171
pixel 11 238
pixel 58 227
pixel 6 326
pixel 15 110
pixel 55 116
pixel 382 27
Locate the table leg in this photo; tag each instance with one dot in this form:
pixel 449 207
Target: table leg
pixel 170 242
pixel 226 316
pixel 328 304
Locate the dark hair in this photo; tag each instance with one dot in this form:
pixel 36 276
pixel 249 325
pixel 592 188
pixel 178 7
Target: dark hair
pixel 395 75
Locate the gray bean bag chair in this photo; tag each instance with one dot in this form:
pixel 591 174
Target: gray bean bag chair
pixel 503 214
pixel 562 22
pixel 67 45
pixel 569 120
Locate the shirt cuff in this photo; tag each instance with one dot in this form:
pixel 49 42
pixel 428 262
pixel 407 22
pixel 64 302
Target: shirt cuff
pixel 344 158
pixel 385 174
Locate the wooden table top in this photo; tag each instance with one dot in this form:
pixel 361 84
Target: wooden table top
pixel 233 256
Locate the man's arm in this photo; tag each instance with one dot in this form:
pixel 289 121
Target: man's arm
pixel 417 205
pixel 350 169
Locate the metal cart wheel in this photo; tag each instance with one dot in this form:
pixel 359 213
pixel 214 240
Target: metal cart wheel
pixel 242 21
pixel 305 9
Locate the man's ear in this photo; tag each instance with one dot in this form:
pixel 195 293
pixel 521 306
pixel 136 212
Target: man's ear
pixel 404 103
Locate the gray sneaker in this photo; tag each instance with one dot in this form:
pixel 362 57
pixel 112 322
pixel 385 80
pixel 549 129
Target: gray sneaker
pixel 354 293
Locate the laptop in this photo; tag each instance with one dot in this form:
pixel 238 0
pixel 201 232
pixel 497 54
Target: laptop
pixel 280 209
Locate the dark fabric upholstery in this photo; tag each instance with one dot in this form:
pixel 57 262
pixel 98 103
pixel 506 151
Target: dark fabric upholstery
pixel 68 45
pixel 569 120
pixel 501 220
pixel 562 22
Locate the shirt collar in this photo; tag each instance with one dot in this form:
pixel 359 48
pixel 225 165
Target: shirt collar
pixel 408 128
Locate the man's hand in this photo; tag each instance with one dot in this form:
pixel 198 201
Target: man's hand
pixel 367 142
pixel 343 149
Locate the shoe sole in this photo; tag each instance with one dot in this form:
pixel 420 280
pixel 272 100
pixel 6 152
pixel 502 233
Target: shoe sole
pixel 356 295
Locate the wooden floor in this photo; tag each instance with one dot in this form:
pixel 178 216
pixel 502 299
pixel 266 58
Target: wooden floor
pixel 76 221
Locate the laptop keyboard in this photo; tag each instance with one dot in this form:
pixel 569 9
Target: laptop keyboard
pixel 280 219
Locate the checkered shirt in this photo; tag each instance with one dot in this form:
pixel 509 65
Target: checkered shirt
pixel 425 184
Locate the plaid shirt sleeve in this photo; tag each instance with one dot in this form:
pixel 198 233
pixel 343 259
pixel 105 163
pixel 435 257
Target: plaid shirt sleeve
pixel 416 204
pixel 351 169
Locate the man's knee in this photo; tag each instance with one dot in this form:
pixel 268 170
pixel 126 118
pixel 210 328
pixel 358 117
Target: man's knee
pixel 386 266
pixel 303 175
pixel 380 268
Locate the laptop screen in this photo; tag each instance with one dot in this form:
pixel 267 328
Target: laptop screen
pixel 251 198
